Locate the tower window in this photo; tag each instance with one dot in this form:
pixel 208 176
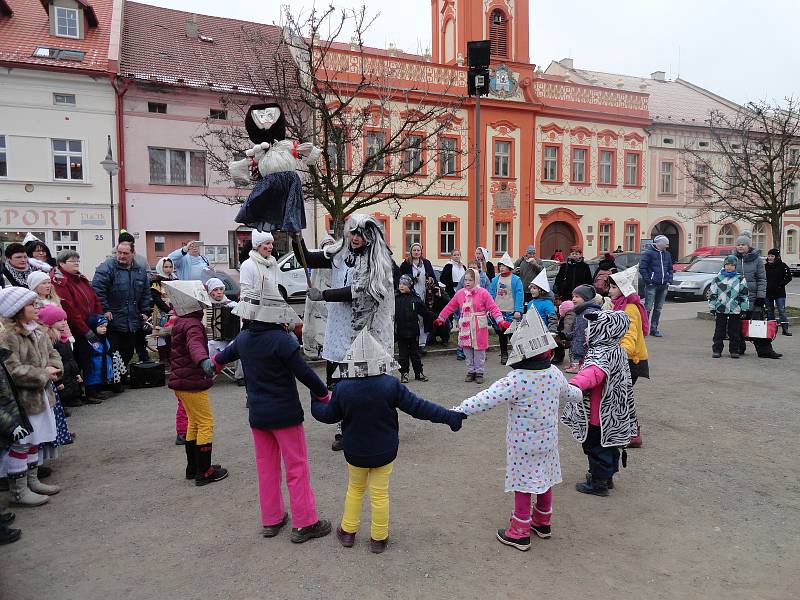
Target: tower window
pixel 498 34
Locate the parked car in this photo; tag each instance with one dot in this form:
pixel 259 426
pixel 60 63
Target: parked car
pixel 623 261
pixel 292 279
pixel 682 263
pixel 695 280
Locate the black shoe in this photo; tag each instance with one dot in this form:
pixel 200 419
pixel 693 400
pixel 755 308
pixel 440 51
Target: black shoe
pixel 734 355
pixel 206 472
pixel 72 402
pixel 273 530
pixel 421 377
pixel 594 487
pixel 522 544
pixel 404 378
pixel 9 535
pixel 44 472
pixel 7 517
pixel 337 442
pixel 609 483
pixel 503 358
pixel 716 355
pixel 180 440
pixel 377 546
pixel 117 388
pixel 319 529
pixel 423 350
pixel 542 531
pixel 770 354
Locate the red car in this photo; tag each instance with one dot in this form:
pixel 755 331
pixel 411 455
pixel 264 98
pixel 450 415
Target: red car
pixel 684 262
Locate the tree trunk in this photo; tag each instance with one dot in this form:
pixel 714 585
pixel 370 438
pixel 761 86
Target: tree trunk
pixel 777 234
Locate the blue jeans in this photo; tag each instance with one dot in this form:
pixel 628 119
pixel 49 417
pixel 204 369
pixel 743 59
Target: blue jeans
pixel 781 304
pixel 654 296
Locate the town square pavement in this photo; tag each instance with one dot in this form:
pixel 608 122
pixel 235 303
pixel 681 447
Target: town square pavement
pixel 708 508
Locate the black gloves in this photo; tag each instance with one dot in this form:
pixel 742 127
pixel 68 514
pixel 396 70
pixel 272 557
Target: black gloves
pixel 91 337
pixel 454 419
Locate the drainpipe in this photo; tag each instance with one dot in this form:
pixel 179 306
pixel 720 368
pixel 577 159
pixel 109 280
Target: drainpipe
pixel 121 86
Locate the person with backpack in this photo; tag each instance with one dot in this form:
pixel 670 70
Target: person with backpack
pixel 605 269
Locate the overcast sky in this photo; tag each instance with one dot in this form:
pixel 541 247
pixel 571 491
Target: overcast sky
pixel 740 49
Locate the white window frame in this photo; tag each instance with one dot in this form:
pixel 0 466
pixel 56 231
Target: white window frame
pixel 69 155
pixel 632 169
pixel 447 156
pixel 60 244
pixel 4 153
pixel 159 239
pixel 550 163
pixel 447 237
pixel 604 237
pixel 578 163
pixel 700 236
pixel 412 234
pixel 701 181
pixel 63 99
pixel 791 241
pixel 760 236
pixel 630 237
pixel 666 177
pixel 794 191
pixel 64 12
pixel 216 253
pixel 502 158
pixel 729 238
pixel 187 154
pixel 412 154
pixel 501 235
pixel 609 165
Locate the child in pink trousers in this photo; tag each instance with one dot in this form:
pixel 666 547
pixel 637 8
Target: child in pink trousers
pixel 532 391
pixel 475 304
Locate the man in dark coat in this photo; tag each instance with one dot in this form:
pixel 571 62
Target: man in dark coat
pixel 123 289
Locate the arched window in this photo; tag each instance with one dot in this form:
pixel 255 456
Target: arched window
pixel 498 34
pixel 727 235
pixel 760 237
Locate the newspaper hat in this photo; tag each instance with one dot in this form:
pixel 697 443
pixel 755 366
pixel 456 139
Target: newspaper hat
pixel 507 261
pixel 626 280
pixel 29 237
pixel 530 338
pixel 265 305
pixel 365 358
pixel 187 296
pixel 541 280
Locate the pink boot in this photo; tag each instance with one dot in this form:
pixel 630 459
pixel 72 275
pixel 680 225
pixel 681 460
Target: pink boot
pixel 517 534
pixel 541 522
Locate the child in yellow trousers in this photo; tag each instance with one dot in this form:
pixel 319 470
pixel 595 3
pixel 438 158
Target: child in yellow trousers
pixel 366 402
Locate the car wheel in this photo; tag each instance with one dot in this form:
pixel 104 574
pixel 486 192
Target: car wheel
pixel 282 290
pixel 707 293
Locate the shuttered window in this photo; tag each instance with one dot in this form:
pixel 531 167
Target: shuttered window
pixel 498 34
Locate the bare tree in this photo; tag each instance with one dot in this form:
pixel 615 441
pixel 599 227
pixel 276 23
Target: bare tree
pixel 389 129
pixel 751 170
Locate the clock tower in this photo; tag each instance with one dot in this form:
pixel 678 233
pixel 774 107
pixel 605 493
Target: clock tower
pixel 456 22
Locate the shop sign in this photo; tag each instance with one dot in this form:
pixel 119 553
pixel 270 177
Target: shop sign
pixel 53 218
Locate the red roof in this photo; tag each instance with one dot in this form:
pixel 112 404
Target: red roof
pixel 161 45
pixel 29 27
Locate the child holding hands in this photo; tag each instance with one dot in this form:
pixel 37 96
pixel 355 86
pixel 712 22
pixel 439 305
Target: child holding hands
pixel 532 391
pixel 366 402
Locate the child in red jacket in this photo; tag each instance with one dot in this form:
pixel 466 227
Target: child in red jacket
pixel 191 376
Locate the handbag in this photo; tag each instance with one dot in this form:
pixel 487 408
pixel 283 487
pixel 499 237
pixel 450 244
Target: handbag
pixel 147 374
pixel 759 329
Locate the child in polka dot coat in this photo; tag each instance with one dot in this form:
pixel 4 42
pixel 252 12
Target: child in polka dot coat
pixel 532 391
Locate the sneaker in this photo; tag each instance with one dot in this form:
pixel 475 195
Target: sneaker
pixel 542 531
pixel 734 355
pixel 503 358
pixel 470 377
pixel 337 442
pixel 319 529
pixel 215 473
pixel 377 546
pixel 522 544
pixel 404 378
pixel 269 531
pixel 180 440
pixel 345 539
pixel 479 379
pixel 656 333
pixel 716 355
pixel 421 377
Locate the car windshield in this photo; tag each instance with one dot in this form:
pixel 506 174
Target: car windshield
pixel 685 260
pixel 704 266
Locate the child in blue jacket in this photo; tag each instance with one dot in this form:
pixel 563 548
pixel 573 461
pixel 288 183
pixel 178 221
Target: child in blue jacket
pixel 507 291
pixel 366 402
pixel 100 374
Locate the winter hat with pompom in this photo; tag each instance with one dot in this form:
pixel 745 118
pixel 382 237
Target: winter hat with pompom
pixel 745 238
pixel 51 314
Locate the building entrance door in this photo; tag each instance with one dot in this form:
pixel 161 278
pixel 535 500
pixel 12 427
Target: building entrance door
pixel 556 236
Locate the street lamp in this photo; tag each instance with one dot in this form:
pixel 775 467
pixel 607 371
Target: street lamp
pixel 112 168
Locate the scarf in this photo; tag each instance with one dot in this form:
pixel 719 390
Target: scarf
pixel 725 273
pixel 267 262
pixel 16 277
pixel 621 302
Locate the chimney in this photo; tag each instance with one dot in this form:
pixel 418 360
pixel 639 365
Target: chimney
pixel 567 63
pixel 191 28
pixel 658 75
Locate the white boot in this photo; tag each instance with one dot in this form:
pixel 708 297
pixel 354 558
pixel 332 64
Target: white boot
pixel 20 494
pixel 37 486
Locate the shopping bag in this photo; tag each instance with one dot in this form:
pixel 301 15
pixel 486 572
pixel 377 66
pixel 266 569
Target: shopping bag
pixel 759 329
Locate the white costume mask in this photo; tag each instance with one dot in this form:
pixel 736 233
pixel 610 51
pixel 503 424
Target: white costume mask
pixel 266 117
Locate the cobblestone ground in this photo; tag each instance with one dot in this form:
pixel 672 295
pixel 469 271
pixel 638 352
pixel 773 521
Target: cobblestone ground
pixel 708 508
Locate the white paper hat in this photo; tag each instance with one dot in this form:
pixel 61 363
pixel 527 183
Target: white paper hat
pixel 507 261
pixel 541 280
pixel 266 305
pixel 530 338
pixel 626 280
pixel 29 237
pixel 365 358
pixel 485 252
pixel 187 296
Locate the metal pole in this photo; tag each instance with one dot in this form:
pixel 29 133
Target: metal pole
pixel 111 192
pixel 478 170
